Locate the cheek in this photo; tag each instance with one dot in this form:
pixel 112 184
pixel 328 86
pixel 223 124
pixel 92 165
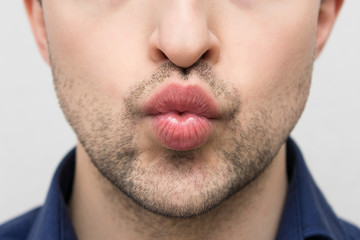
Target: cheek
pixel 98 51
pixel 269 57
pixel 269 60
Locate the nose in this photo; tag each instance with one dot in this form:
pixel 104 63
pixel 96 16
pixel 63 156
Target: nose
pixel 183 36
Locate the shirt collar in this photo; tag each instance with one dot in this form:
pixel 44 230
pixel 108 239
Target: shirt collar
pixel 53 221
pixel 306 213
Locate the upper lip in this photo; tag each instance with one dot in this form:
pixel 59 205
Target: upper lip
pixel 182 99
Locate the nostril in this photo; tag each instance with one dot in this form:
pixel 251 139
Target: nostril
pixel 183 48
pixel 206 55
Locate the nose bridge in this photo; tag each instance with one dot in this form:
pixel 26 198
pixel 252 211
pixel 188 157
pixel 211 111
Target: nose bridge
pixel 183 35
pixel 184 19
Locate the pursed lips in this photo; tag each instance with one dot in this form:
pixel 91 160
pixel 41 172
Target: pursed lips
pixel 181 116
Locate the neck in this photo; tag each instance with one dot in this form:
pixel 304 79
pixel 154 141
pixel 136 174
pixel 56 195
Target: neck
pixel 99 211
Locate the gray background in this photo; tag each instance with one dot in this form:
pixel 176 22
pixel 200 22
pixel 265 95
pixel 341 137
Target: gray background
pixel 34 135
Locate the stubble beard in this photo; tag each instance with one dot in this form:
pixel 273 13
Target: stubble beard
pixel 175 183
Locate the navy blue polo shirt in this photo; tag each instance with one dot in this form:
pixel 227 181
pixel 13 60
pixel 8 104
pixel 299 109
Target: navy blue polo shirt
pixel 307 215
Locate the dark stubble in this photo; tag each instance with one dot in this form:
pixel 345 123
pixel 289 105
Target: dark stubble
pixel 176 183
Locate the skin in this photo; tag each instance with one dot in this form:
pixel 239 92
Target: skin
pixel 253 57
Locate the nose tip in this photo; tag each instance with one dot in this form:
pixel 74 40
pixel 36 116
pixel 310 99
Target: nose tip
pixel 184 38
pixel 185 52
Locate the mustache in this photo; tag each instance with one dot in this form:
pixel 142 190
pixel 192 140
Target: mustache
pixel 201 71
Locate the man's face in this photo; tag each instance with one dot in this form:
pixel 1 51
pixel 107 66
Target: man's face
pixel 180 104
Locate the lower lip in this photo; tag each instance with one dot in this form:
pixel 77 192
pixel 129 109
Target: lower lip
pixel 181 132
